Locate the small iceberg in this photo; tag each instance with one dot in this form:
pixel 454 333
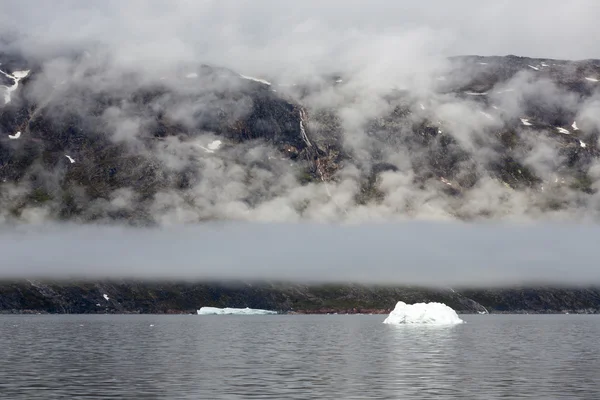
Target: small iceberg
pixel 423 314
pixel 233 311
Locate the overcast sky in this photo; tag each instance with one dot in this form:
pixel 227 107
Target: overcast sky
pixel 315 29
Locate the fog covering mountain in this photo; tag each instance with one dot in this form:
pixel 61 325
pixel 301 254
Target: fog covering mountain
pixel 85 139
pixel 156 114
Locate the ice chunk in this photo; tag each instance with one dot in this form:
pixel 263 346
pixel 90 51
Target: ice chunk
pixel 15 136
pixel 423 313
pixel 525 122
pixel 256 79
pixel 233 311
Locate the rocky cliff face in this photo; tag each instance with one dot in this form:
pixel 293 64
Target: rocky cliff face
pixel 482 137
pixel 34 296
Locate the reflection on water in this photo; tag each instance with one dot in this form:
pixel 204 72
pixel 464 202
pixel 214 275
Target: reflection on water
pixel 297 357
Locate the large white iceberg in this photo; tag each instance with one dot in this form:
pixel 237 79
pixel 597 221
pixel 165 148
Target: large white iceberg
pixel 423 313
pixel 233 311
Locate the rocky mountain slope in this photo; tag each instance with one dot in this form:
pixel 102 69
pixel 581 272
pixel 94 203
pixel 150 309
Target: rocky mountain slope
pixel 33 296
pixel 85 140
pixel 481 137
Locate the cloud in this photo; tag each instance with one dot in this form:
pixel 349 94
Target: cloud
pixel 390 57
pixel 411 253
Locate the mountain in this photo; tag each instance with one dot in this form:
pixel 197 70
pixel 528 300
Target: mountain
pixel 84 140
pixel 98 297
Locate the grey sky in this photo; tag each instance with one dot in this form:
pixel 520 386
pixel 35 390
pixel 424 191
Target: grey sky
pixel 416 253
pixel 231 31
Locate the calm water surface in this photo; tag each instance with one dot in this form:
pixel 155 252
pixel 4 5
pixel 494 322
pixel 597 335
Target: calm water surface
pixel 298 357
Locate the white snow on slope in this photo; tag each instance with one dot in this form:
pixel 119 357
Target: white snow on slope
pixel 233 311
pixel 582 144
pixel 532 67
pixel 255 79
pixel 476 94
pixel 563 130
pixel 70 159
pixel 525 122
pixel 422 313
pixel 589 78
pixel 574 126
pixel 214 145
pixel 488 116
pixel 105 297
pixel 15 136
pixel 545 65
pixel 16 77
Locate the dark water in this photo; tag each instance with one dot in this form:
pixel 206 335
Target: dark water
pixel 297 357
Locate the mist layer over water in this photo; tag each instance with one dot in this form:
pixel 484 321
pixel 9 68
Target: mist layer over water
pixel 409 253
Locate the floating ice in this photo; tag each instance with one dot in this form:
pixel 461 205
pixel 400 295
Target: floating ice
pixel 525 122
pixel 255 79
pixel 563 130
pixel 105 297
pixel 532 67
pixel 589 78
pixel 423 313
pixel 233 311
pixel 574 126
pixel 15 136
pixel 70 159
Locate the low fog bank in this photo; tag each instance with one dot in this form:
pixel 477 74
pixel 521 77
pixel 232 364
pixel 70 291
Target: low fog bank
pixel 419 253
